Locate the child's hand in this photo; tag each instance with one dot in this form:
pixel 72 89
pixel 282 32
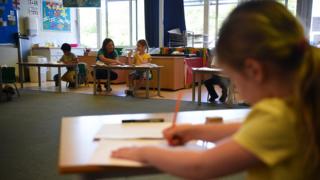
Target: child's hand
pixel 130 53
pixel 178 135
pixel 131 153
pixel 119 62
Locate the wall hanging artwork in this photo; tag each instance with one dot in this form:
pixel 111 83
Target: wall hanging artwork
pixel 55 16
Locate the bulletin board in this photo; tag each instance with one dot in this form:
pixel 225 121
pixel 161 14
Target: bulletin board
pixel 8 22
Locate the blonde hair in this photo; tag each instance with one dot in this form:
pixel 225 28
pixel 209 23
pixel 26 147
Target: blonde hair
pixel 144 43
pixel 267 32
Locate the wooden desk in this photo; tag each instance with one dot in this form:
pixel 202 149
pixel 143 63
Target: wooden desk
pixel 148 69
pixel 77 145
pixel 91 60
pixel 39 65
pixel 201 72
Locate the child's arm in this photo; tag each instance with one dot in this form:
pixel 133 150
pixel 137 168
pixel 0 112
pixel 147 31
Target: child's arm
pixel 130 59
pixel 226 158
pixel 181 134
pixel 75 60
pixel 108 60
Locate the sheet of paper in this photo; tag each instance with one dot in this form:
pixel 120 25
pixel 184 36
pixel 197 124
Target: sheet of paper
pixel 102 154
pixel 132 131
pixel 210 69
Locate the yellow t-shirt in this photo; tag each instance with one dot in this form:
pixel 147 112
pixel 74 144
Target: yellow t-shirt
pixel 141 59
pixel 68 58
pixel 270 133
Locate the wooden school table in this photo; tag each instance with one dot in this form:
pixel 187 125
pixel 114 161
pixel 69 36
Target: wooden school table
pixel 39 65
pixel 77 144
pixel 148 70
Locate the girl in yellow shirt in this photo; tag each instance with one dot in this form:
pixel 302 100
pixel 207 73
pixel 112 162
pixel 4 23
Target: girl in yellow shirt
pixel 262 48
pixel 140 57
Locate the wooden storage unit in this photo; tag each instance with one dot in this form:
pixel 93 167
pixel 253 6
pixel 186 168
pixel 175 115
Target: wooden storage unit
pixel 91 60
pixel 172 76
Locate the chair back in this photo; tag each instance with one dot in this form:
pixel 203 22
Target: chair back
pixel 82 73
pixel 82 69
pixel 8 75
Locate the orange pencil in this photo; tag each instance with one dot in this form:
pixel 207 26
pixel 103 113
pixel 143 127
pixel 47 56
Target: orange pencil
pixel 176 109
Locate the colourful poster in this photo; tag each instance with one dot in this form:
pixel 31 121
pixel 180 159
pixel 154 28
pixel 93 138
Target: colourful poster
pixel 55 16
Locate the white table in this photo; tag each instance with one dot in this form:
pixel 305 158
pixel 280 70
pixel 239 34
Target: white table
pixel 77 134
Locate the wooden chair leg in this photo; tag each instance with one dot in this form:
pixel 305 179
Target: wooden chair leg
pixel 18 93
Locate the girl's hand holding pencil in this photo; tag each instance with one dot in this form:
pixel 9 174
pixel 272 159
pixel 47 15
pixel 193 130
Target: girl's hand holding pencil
pixel 174 134
pixel 178 135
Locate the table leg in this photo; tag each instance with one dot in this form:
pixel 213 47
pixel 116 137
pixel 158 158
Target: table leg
pixel 158 81
pixel 21 78
pixel 59 77
pixel 193 85
pixel 0 84
pixel 199 90
pixel 94 81
pixel 39 76
pixel 109 83
pixel 76 78
pixel 147 83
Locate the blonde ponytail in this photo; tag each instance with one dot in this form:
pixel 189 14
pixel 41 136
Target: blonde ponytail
pixel 307 102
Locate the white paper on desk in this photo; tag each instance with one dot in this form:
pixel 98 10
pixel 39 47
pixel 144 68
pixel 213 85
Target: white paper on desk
pixel 102 155
pixel 210 69
pixel 146 65
pixel 132 131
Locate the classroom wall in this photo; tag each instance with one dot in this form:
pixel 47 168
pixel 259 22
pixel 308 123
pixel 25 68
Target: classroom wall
pixel 9 55
pixel 48 36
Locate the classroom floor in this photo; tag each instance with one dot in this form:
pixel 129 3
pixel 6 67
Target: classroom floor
pixel 118 90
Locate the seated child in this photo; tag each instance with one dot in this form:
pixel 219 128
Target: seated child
pixel 220 81
pixel 140 57
pixel 277 71
pixel 68 58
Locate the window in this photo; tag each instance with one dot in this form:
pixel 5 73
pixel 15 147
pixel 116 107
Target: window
pixel 194 12
pixel 140 20
pixel 218 11
pixel 291 5
pixel 315 24
pixel 88 27
pixel 120 20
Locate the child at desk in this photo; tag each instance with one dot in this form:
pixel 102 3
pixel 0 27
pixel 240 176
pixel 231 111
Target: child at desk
pixel 275 70
pixel 140 57
pixel 108 55
pixel 223 82
pixel 68 58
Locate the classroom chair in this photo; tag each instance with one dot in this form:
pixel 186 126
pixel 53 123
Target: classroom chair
pixel 9 77
pixel 83 72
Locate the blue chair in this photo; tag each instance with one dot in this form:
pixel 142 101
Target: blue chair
pixel 9 77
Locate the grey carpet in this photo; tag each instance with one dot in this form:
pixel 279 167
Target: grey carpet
pixel 30 128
